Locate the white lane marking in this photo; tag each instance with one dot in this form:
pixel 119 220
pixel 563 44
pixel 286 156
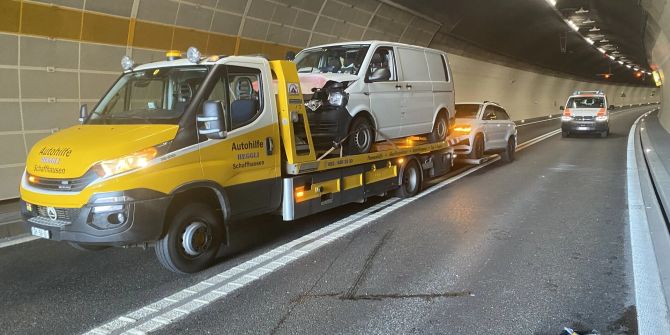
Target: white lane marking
pixel 534 122
pixel 18 240
pixel 181 304
pixel 652 312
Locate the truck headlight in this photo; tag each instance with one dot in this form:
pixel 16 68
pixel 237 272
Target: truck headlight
pixel 130 162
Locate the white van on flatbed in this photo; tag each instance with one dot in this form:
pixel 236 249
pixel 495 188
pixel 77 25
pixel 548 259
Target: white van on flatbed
pixel 359 93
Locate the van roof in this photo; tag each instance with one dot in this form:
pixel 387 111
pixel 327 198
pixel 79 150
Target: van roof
pixel 374 42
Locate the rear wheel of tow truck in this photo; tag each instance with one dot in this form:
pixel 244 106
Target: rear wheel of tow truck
pixel 361 136
pixel 477 151
pixel 507 156
pixel 192 241
pixel 440 129
pixel 87 247
pixel 410 183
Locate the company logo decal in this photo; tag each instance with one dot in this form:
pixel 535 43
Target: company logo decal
pixel 50 160
pixel 52 213
pixel 293 89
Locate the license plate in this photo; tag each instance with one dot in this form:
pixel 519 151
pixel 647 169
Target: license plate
pixel 39 232
pixel 583 128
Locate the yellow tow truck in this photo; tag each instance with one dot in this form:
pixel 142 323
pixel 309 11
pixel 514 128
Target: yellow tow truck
pixel 177 150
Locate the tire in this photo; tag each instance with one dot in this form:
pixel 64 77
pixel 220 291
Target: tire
pixel 361 137
pixel 477 151
pixel 507 156
pixel 440 129
pixel 565 134
pixel 605 133
pixel 87 247
pixel 410 182
pixel 192 241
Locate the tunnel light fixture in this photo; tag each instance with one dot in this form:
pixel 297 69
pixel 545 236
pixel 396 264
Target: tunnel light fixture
pixel 602 50
pixel 611 57
pixel 552 2
pixel 620 62
pixel 590 41
pixel 573 25
pixel 594 29
pixel 628 66
pixel 581 11
pixel 588 21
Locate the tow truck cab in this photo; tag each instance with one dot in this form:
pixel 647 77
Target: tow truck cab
pixel 176 150
pixel 586 112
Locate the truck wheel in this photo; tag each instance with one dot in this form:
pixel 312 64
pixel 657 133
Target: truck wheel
pixel 477 151
pixel 508 155
pixel 361 137
pixel 192 240
pixel 87 247
pixel 410 183
pixel 440 129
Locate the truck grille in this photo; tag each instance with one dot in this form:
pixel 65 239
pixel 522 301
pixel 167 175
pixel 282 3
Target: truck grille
pixel 62 214
pixel 64 185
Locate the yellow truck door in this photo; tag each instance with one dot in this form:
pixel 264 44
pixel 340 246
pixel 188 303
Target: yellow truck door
pixel 247 162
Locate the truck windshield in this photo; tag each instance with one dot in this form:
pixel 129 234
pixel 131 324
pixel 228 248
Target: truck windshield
pixel 586 102
pixel 467 111
pixel 332 59
pixel 149 96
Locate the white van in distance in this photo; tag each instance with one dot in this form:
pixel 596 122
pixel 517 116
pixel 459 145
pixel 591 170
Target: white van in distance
pixel 363 92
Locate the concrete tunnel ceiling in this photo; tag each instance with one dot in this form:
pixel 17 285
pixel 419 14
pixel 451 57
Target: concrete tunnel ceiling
pixel 531 32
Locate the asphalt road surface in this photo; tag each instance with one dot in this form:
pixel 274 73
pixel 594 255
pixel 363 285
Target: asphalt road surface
pixel 523 248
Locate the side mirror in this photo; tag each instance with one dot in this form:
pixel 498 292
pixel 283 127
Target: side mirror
pixel 381 74
pixel 561 108
pixel 83 113
pixel 290 55
pixel 213 123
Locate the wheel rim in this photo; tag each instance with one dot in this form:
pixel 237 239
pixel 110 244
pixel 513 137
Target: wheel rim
pixel 410 179
pixel 196 239
pixel 362 138
pixel 441 129
pixel 480 148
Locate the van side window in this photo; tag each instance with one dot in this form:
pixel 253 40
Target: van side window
pixel 240 88
pixel 414 64
pixel 444 66
pixel 382 65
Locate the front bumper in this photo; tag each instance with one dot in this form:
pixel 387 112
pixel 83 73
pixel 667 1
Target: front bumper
pixel 327 125
pixel 584 126
pixel 144 220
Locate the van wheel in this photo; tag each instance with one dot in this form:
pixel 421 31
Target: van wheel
pixel 605 133
pixel 565 134
pixel 440 129
pixel 410 183
pixel 192 240
pixel 361 137
pixel 508 155
pixel 477 151
pixel 87 247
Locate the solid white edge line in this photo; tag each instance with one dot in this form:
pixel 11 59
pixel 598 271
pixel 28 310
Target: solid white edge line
pixel 652 311
pixel 18 240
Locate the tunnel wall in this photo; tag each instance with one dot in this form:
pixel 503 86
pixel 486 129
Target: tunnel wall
pixel 657 34
pixel 56 55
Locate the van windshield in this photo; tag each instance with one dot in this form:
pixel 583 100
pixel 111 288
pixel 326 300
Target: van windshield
pixel 586 102
pixel 157 96
pixel 467 111
pixel 332 59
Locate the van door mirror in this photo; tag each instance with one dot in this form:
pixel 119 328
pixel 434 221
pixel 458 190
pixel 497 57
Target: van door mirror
pixel 561 108
pixel 381 74
pixel 83 113
pixel 212 121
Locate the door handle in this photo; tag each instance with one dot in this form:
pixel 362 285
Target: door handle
pixel 269 146
pixel 409 87
pixel 398 86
